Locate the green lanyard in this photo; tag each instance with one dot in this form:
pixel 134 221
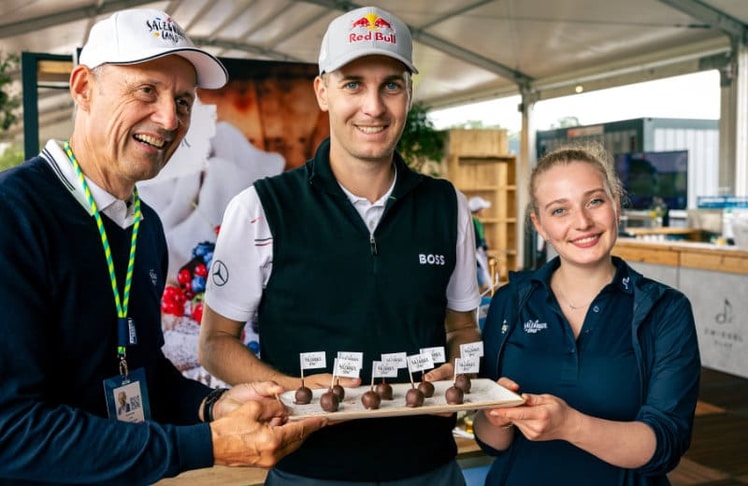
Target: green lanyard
pixel 122 304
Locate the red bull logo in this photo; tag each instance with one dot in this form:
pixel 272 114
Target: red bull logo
pixel 371 27
pixel 380 23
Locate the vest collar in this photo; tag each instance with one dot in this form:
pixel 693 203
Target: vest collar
pixel 319 173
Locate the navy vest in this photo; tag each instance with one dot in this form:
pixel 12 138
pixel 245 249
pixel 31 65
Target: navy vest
pixel 337 287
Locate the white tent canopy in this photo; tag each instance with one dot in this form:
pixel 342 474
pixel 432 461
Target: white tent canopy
pixel 465 50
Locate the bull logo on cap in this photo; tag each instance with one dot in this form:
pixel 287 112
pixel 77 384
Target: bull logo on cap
pixel 371 24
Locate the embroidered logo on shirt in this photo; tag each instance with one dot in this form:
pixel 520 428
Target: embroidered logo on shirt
pixel 220 273
pixel 154 276
pixel 625 282
pixel 534 327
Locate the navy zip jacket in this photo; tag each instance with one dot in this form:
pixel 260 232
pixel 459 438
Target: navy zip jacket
pixel 666 352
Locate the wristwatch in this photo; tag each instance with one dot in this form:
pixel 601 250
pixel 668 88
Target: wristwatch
pixel 211 400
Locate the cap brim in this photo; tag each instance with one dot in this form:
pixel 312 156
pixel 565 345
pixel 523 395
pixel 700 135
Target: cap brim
pixel 343 60
pixel 211 73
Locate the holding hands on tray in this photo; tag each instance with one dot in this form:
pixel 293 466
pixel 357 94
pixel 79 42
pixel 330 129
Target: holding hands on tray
pixel 268 427
pixel 546 417
pixel 606 359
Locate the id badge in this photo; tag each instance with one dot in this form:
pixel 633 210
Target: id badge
pixel 127 397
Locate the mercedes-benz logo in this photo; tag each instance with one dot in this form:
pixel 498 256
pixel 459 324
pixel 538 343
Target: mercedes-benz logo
pixel 220 273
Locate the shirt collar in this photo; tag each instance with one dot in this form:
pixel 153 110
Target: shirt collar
pixel 115 209
pixel 356 200
pixel 621 281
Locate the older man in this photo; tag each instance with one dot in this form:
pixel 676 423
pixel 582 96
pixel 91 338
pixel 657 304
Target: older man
pixel 85 262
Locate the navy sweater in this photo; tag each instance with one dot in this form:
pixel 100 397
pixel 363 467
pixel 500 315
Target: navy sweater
pixel 58 323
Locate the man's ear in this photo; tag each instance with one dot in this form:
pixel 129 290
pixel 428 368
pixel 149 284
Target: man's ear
pixel 320 90
pixel 81 85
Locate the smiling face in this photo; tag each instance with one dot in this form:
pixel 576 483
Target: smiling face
pixel 368 101
pixel 576 211
pixel 131 119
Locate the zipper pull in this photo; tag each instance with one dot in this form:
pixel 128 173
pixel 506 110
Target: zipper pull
pixel 373 244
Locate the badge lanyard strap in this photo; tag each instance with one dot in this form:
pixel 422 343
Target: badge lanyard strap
pixel 123 304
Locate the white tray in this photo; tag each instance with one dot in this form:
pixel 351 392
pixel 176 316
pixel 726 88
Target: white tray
pixel 484 393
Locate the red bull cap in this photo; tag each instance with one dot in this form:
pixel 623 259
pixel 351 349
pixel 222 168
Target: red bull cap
pixel 365 31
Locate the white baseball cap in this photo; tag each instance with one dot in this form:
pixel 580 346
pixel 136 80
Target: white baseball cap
pixel 140 35
pixel 365 31
pixel 476 203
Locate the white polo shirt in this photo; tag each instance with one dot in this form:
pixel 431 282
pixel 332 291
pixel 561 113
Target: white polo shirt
pixel 244 248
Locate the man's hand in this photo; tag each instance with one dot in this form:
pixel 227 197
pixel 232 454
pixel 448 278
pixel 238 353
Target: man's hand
pixel 259 391
pixel 443 372
pixel 251 435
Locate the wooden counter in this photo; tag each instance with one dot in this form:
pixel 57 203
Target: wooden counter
pixel 253 476
pixel 704 256
pixel 714 279
pixel 691 234
pixel 219 476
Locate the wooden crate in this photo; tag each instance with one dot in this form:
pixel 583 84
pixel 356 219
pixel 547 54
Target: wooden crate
pixel 481 143
pixel 478 164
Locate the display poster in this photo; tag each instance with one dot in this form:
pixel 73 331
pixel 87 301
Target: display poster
pixel 264 121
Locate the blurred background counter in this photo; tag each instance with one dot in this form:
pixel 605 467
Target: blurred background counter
pixel 714 279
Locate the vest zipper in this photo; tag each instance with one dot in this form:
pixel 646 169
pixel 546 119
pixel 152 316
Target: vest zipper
pixel 373 244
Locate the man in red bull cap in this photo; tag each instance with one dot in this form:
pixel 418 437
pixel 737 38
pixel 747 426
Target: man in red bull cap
pixel 352 252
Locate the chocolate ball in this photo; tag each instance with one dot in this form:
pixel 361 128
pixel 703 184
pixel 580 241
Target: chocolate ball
pixel 454 395
pixel 384 390
pixel 414 398
pixel 329 401
pixel 371 400
pixel 339 391
pixel 427 388
pixel 303 395
pixel 463 382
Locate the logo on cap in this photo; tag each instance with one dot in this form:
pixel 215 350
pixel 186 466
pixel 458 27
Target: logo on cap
pixel 166 29
pixel 372 27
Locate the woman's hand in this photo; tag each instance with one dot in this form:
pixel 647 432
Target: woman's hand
pixel 492 415
pixel 541 418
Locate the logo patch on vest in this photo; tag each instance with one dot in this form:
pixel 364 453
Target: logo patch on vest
pixel 429 259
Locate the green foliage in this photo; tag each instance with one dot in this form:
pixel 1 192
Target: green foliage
pixel 11 156
pixel 421 142
pixel 9 102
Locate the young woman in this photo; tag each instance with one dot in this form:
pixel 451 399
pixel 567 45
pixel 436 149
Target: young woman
pixel 606 359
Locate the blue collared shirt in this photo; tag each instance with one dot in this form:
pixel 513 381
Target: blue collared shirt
pixel 596 373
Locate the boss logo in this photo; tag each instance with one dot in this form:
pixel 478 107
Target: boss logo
pixel 431 259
